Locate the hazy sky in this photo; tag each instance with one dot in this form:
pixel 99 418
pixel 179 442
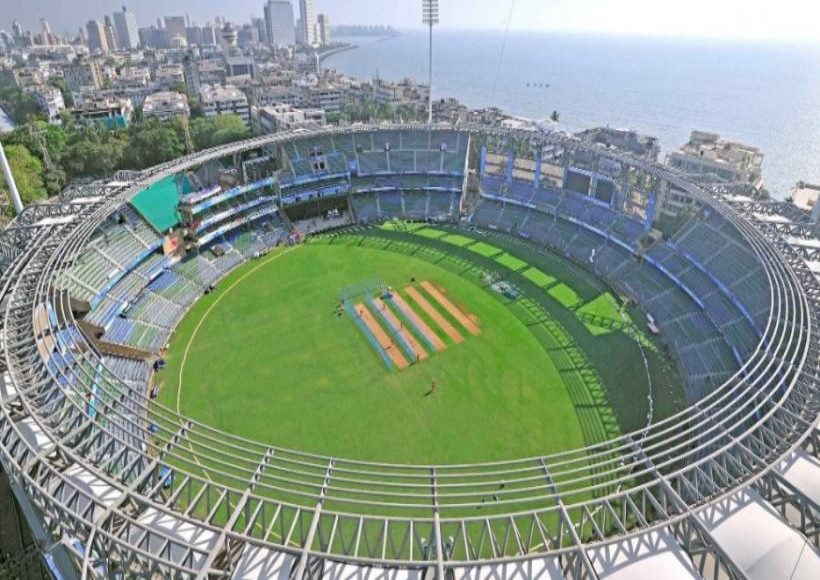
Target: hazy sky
pixel 757 19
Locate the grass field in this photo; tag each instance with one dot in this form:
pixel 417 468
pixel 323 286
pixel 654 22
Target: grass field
pixel 266 356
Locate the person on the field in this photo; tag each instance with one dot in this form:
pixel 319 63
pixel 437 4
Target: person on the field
pixel 433 386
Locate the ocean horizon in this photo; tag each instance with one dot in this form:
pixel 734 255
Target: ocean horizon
pixel 765 94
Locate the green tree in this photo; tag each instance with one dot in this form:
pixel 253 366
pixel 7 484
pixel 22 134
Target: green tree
pixel 68 98
pixel 555 116
pixel 93 151
pixel 152 142
pixel 178 87
pixel 28 174
pixel 218 130
pixel 19 105
pixel 197 112
pixel 47 142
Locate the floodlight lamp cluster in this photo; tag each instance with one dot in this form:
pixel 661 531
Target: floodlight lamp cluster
pixel 429 12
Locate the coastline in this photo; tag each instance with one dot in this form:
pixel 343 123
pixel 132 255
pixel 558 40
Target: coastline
pixel 353 46
pixel 632 83
pixel 328 53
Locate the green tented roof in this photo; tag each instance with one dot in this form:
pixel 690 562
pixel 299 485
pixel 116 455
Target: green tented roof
pixel 158 203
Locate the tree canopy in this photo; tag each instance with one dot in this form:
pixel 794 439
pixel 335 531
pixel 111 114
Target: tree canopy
pixel 51 156
pixel 218 130
pixel 19 105
pixel 152 142
pixel 28 174
pixel 93 152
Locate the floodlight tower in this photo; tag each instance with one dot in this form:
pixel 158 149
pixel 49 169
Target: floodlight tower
pixel 429 15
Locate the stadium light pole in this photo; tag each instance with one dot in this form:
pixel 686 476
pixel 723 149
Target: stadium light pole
pixel 429 15
pixel 15 195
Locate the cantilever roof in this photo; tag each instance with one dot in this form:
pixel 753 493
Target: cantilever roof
pixel 158 203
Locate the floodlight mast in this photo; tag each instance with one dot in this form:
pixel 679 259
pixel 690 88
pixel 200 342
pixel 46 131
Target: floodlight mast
pixel 429 14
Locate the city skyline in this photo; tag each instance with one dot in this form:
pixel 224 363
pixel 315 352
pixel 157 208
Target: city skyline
pixel 785 21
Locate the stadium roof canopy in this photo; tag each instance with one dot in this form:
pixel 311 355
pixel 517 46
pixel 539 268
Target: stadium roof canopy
pixel 158 203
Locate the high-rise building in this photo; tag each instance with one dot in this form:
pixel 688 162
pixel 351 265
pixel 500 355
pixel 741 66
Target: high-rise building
pixel 110 34
pixel 96 36
pixel 47 36
pixel 222 100
pixel 308 32
pixel 208 35
pixel 175 27
pixel 127 31
pixel 300 34
pixel 82 74
pixel 153 37
pixel 17 33
pixel 193 34
pixel 323 29
pixel 190 67
pixel 280 30
pixel 261 30
pixel 248 35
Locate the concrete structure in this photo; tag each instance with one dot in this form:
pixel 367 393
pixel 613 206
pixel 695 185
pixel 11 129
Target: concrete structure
pixel 190 67
pixel 323 29
pixel 221 100
pixel 112 113
pixel 713 160
pixel 166 75
pixel 329 97
pixel 805 195
pixel 27 77
pixel 279 26
pixel 406 91
pixel 623 139
pixel 110 34
pixel 82 74
pixel 132 78
pixel 725 488
pixel 193 34
pixel 268 95
pixel 50 100
pixel 97 41
pixel 208 35
pixel 239 69
pixel 211 72
pixel 307 22
pixel 165 105
pixel 285 117
pixel 229 39
pixel 127 30
pixel 153 37
pixel 175 27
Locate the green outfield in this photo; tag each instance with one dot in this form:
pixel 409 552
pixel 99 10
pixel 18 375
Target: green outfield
pixel 268 356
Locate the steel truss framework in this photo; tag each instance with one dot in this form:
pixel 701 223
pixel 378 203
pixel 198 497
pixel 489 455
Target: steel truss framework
pixel 98 480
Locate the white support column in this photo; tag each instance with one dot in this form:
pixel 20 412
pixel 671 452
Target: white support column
pixel 15 195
